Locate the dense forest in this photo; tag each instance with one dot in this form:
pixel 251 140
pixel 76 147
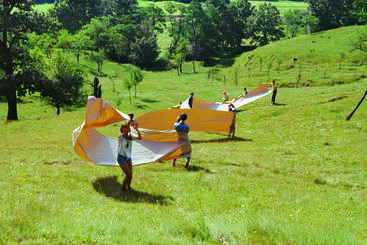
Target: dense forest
pixel 34 45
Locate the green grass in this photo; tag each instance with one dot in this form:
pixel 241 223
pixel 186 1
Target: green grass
pixel 283 6
pixel 295 173
pixel 43 7
pixel 315 57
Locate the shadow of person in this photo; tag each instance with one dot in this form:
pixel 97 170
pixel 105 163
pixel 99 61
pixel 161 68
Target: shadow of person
pixel 279 104
pixel 111 188
pixel 194 168
pixel 233 139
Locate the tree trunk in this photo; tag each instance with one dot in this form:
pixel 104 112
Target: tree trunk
pixel 12 106
pixel 58 110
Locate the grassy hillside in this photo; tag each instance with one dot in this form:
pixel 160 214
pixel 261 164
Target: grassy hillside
pixel 321 59
pixel 295 173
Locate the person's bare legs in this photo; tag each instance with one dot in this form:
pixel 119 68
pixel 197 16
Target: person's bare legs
pixel 187 162
pixel 128 176
pixel 130 165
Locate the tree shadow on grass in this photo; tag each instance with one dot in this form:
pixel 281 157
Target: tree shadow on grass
pixel 111 188
pixel 234 139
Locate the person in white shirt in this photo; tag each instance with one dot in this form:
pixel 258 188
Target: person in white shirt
pixel 124 152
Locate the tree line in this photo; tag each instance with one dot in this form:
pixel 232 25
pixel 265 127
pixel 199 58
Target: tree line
pixel 36 48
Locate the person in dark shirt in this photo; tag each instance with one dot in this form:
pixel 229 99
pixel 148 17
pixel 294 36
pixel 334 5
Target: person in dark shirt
pixel 181 127
pixel 191 99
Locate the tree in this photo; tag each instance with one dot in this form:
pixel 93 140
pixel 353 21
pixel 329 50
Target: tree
pixel 136 77
pixel 220 18
pixel 64 89
pixel 198 31
pixel 239 11
pixel 293 21
pixel 360 11
pixel 118 8
pixel 144 51
pixel 269 65
pixel 74 14
pixel 359 42
pixel 17 19
pixel 179 55
pixel 81 42
pixel 332 13
pixel 128 84
pixel 98 58
pixel 264 25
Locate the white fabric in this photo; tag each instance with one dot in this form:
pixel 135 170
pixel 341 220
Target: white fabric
pixel 255 94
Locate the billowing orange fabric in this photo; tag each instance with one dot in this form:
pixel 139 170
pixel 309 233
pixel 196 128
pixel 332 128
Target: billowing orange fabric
pixel 197 119
pixel 160 141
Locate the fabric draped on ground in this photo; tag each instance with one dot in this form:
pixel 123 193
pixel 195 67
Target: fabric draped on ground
pixel 241 100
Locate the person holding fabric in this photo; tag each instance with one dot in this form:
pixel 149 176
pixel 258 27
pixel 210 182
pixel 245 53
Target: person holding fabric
pixel 225 97
pixel 125 139
pixel 181 127
pixel 245 91
pixel 232 128
pixel 274 93
pixel 191 99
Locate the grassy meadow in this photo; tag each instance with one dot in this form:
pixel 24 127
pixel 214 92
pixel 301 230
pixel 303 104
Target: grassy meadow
pixel 294 174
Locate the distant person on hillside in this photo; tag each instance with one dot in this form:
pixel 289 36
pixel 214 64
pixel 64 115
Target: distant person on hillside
pixel 232 128
pixel 182 128
pixel 274 93
pixel 225 97
pixel 125 139
pixel 245 91
pixel 177 106
pixel 191 99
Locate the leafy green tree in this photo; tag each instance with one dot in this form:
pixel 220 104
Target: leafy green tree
pixel 264 25
pixel 98 58
pixel 157 17
pixel 81 42
pixel 332 13
pixel 279 63
pixel 269 65
pixel 293 21
pixel 98 31
pixel 359 42
pixel 239 12
pixel 136 77
pixel 196 22
pixel 179 55
pixel 46 42
pixel 17 19
pixel 128 83
pixel 360 11
pixel 74 14
pixel 118 8
pixel 220 17
pixel 144 50
pixel 65 87
pixel 65 40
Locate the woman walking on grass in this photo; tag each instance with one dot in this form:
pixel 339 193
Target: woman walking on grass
pixel 124 152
